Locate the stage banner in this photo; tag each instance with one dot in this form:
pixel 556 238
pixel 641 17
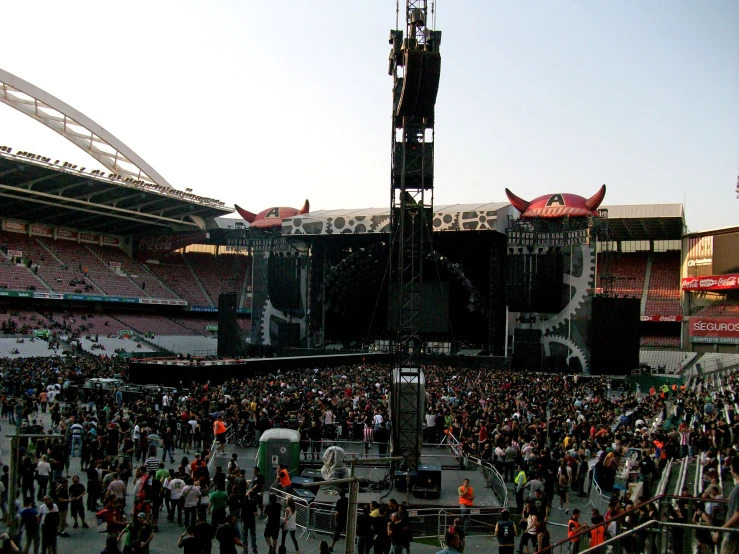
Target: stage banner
pixel 718 330
pixel 152 246
pixel 711 282
pixel 661 318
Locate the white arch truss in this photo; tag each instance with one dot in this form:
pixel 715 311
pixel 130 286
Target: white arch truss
pixel 76 127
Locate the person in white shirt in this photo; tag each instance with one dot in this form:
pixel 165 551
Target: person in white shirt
pixel 377 420
pixel 175 486
pixel 43 471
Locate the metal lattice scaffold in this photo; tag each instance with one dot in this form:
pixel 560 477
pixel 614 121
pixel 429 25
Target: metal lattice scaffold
pixel 415 65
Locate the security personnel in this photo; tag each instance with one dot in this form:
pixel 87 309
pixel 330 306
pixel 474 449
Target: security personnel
pixel 573 528
pixel 520 482
pixel 505 532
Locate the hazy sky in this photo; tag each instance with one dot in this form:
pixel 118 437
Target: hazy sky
pixel 266 103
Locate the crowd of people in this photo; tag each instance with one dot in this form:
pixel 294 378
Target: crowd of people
pixel 544 433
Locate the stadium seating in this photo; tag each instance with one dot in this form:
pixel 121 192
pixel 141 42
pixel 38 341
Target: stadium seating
pixel 672 361
pixel 146 281
pixel 80 257
pixel 110 345
pixel 159 325
pixel 663 342
pixel 622 275
pixel 178 276
pixel 14 277
pixel 11 348
pixel 720 310
pixel 196 346
pixel 223 273
pixel 195 325
pixel 25 321
pixel 663 297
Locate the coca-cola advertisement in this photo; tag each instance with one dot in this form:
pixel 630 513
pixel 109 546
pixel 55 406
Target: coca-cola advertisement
pixel 42 230
pixel 153 246
pixel 66 234
pixel 89 237
pixel 720 330
pixel 711 283
pixel 662 318
pixel 14 226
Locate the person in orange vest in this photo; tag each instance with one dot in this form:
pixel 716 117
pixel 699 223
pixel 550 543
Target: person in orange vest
pixel 466 500
pixel 219 432
pixel 283 478
pixel 573 528
pixel 598 532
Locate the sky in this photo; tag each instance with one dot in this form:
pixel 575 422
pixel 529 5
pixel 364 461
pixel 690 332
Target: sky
pixel 266 103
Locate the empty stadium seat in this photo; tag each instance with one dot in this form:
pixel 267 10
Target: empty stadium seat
pixel 663 296
pixel 622 275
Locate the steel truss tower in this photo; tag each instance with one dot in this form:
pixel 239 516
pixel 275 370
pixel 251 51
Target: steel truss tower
pixel 415 65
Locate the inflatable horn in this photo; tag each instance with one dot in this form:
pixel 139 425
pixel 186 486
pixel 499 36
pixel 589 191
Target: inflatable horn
pixel 519 203
pixel 248 216
pixel 594 201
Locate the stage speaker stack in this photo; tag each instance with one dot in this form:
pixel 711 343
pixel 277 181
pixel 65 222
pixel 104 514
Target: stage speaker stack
pixel 228 329
pixel 407 412
pixel 428 482
pixel 526 349
pixel 614 336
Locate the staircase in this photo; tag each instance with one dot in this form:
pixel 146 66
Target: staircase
pixel 134 283
pixel 197 280
pixel 645 288
pixel 150 275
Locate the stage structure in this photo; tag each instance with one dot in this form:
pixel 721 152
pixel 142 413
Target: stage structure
pixel 280 267
pixel 550 276
pixel 415 65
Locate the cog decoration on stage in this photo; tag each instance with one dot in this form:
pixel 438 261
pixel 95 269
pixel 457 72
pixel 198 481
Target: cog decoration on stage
pixel 573 320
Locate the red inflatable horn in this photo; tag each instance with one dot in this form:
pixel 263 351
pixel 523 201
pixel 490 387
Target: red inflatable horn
pixel 594 201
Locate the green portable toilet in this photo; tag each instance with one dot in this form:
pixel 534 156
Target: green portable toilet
pixel 278 446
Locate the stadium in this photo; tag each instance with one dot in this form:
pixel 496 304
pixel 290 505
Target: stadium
pixel 123 262
pixel 562 344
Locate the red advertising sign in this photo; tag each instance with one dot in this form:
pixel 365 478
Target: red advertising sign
pixel 42 230
pixel 662 318
pixel 151 246
pixel 724 330
pixel 711 282
pixel 66 234
pixel 111 241
pixel 89 237
pixel 14 226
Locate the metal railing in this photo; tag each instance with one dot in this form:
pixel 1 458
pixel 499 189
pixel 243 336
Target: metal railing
pixel 317 518
pixel 596 498
pixel 618 534
pixel 493 479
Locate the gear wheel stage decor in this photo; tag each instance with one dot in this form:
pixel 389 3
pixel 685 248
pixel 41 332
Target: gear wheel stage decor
pixel 557 230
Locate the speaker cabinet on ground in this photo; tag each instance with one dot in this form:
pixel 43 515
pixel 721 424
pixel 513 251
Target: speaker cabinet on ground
pixel 228 329
pixel 526 349
pixel 614 336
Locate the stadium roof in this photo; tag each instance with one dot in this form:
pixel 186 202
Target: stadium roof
pixel 39 189
pixel 645 221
